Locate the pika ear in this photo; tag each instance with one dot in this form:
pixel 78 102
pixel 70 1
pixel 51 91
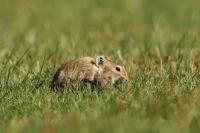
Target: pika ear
pixel 100 60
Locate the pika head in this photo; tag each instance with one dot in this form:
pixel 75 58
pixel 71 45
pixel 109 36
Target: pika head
pixel 109 72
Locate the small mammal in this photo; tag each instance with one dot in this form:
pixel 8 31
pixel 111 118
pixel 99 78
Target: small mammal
pixel 99 70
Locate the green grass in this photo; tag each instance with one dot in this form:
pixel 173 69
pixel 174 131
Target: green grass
pixel 159 44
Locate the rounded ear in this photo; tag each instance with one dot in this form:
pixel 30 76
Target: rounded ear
pixel 100 60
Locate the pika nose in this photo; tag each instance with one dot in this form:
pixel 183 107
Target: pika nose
pixel 125 78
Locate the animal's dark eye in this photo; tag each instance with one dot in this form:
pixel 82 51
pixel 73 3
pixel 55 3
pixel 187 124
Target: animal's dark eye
pixel 118 69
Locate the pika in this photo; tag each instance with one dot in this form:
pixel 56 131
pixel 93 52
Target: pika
pixel 99 70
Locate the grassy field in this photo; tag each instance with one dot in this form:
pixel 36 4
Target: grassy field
pixel 157 41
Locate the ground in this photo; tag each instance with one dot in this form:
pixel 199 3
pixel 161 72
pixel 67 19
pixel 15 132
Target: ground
pixel 157 41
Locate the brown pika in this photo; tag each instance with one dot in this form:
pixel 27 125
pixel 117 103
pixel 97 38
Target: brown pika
pixel 99 70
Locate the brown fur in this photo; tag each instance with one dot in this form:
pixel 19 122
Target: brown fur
pixel 87 70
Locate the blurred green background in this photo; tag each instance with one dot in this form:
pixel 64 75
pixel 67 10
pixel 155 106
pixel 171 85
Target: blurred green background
pixel 97 26
pixel 156 40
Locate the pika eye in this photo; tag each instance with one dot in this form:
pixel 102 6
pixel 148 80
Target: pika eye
pixel 118 69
